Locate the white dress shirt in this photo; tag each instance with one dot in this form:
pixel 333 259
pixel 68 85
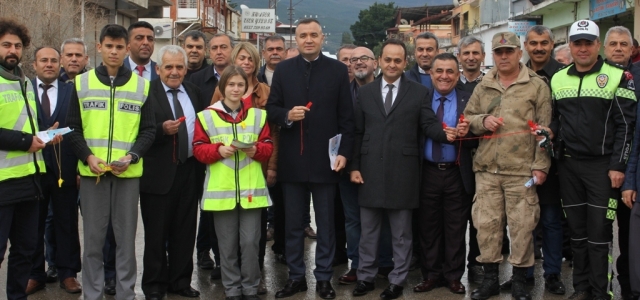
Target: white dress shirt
pixel 187 109
pixel 52 92
pixel 146 74
pixel 385 89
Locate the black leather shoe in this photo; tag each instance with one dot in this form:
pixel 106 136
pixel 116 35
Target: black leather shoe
pixel 110 286
pixel 392 292
pixel 204 260
pixel 554 285
pixel 506 286
pixel 154 296
pixel 292 287
pixel 216 273
pixel 187 292
pixel 325 290
pixel 52 274
pixel 363 287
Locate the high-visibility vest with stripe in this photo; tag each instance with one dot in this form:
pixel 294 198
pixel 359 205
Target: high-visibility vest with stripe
pixel 600 85
pixel 15 116
pixel 110 118
pixel 237 179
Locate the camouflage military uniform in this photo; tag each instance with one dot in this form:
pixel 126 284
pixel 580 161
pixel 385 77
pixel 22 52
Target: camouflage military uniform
pixel 503 165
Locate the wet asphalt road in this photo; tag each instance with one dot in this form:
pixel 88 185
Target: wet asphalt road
pixel 276 275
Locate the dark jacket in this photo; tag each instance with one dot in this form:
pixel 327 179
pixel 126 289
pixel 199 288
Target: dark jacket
pixel 206 81
pixel 68 160
pixel 388 147
pixel 466 157
pixel 414 73
pixel 146 130
pixel 592 126
pixel 190 72
pixel 261 77
pixel 25 188
pixel 549 192
pixel 303 146
pixel 631 178
pixel 154 74
pixel 159 165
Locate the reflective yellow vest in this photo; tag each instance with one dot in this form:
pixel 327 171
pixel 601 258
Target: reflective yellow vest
pixel 239 178
pixel 110 118
pixel 13 109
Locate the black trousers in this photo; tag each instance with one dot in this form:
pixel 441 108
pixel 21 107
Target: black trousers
pixel 170 229
pixel 277 197
pixel 589 203
pixel 18 224
pixel 444 209
pixel 64 202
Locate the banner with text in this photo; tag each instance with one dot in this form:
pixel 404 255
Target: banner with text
pixel 599 9
pixel 520 28
pixel 259 20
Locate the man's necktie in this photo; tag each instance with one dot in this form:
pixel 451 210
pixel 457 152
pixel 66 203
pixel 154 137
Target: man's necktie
pixel 46 103
pixel 183 137
pixel 436 148
pixel 140 70
pixel 388 100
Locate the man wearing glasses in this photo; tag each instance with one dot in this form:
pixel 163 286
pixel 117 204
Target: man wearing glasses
pixel 363 66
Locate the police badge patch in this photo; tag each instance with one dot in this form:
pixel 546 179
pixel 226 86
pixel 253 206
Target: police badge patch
pixel 631 85
pixel 602 80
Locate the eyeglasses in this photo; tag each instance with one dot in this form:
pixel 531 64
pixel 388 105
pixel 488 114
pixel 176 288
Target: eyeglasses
pixel 363 59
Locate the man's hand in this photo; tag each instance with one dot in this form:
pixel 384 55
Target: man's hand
pixel 271 177
pixel 540 137
pixel 94 164
pixel 463 128
pixel 492 123
pixel 249 151
pixel 170 127
pixel 36 145
pixel 117 170
pixel 452 133
pixel 340 163
pixel 297 113
pixel 617 178
pixel 56 139
pixel 540 176
pixel 629 197
pixel 356 177
pixel 226 151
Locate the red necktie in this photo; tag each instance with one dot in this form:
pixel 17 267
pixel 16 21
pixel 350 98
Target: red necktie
pixel 140 69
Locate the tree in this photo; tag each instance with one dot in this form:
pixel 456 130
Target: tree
pixel 372 24
pixel 346 38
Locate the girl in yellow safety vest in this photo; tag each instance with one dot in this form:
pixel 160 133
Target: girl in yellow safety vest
pixel 233 139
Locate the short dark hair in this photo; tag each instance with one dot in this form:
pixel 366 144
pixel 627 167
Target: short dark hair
pixel 309 21
pixel 231 44
pixel 427 36
pixel 35 52
pixel 445 56
pixel 141 24
pixel 195 35
pixel 114 31
pixel 12 26
pixel 274 38
pixel 345 46
pixel 394 42
pixel 229 72
pixel 635 42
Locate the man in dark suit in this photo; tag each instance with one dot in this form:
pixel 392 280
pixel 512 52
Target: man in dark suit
pixel 141 42
pixel 304 165
pixel 447 187
pixel 220 46
pixel 172 182
pixel 392 107
pixel 53 98
pixel 194 44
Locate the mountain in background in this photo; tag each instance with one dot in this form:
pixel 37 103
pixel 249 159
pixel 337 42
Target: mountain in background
pixel 336 16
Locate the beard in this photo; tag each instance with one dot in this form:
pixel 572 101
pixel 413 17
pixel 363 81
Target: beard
pixel 361 74
pixel 9 65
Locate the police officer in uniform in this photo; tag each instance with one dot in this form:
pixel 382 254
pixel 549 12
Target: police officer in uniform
pixel 594 119
pixel 113 128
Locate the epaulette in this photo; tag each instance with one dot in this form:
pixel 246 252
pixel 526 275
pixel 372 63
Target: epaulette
pixel 619 66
